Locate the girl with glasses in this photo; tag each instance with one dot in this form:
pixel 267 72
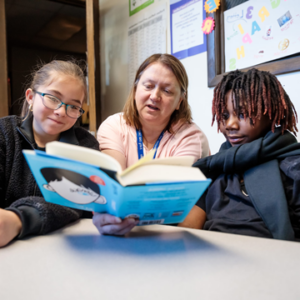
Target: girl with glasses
pixel 51 108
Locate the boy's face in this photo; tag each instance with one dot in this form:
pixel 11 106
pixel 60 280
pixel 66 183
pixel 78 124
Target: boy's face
pixel 238 130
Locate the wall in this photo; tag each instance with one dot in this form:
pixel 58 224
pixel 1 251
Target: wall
pixel 114 15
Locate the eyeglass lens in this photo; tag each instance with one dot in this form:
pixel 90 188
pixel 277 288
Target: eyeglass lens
pixel 54 103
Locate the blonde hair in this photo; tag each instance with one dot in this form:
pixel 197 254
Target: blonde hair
pixel 45 73
pixel 130 113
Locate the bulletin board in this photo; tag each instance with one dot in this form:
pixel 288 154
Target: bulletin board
pixel 216 49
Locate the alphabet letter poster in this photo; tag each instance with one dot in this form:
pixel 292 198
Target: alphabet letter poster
pixel 261 30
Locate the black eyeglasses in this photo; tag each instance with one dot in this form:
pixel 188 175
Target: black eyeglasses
pixel 54 103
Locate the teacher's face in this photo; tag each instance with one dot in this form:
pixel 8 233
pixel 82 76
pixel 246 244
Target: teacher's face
pixel 157 95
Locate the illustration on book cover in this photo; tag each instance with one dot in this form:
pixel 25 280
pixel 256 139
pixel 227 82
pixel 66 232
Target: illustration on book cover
pixel 73 186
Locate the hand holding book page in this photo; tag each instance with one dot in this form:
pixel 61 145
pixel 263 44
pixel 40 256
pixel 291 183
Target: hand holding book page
pixel 109 224
pixel 159 191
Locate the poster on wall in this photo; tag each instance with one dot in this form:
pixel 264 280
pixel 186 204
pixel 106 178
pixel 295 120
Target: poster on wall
pixel 261 31
pixel 147 35
pixel 137 5
pixel 186 18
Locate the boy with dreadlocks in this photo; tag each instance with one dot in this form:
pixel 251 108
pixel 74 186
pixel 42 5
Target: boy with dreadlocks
pixel 255 176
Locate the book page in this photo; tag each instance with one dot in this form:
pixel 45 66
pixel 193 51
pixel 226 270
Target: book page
pixel 148 160
pixel 173 160
pixel 145 159
pixel 160 173
pixel 83 154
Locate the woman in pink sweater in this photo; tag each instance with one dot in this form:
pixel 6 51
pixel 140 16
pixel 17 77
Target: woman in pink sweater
pixel 156 116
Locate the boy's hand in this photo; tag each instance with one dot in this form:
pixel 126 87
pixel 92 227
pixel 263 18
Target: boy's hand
pixel 108 224
pixel 10 226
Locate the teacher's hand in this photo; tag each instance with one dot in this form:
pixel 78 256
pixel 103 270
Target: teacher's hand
pixel 108 224
pixel 10 226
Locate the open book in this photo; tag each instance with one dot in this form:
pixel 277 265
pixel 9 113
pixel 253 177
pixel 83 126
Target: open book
pixel 153 190
pixel 144 170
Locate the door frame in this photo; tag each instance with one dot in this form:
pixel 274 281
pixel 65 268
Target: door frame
pixel 4 99
pixel 93 62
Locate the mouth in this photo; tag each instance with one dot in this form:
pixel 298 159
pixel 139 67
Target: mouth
pixel 235 140
pixel 55 121
pixel 152 107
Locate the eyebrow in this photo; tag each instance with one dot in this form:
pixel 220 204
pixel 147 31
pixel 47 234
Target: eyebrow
pixel 59 95
pixel 154 81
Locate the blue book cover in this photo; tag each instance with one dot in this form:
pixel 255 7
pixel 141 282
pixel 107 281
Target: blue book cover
pixel 89 187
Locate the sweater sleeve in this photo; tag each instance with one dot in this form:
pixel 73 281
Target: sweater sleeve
pixel 37 215
pixel 2 168
pixel 109 134
pixel 191 141
pixel 29 216
pixel 40 217
pixel 2 181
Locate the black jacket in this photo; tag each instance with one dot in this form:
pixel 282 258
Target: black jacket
pixel 18 189
pixel 269 167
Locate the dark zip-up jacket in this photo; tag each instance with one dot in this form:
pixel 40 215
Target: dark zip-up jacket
pixel 18 189
pixel 255 188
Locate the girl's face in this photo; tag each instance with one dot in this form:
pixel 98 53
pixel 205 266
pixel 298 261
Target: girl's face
pixel 238 130
pixel 50 123
pixel 157 95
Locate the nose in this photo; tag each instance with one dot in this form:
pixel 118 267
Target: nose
pixel 61 110
pixel 155 94
pixel 232 123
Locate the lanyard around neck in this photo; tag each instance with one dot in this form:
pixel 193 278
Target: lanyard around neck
pixel 140 146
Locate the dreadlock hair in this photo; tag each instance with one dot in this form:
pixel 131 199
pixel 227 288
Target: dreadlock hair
pixel 255 93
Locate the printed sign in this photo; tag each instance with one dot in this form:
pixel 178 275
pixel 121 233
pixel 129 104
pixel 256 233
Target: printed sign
pixel 187 38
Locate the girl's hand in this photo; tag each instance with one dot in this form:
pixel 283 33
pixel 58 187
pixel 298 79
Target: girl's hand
pixel 108 224
pixel 10 226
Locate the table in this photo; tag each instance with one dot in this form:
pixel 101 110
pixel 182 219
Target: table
pixel 152 262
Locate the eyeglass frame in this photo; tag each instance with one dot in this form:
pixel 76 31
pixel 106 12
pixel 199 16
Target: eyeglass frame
pixel 61 104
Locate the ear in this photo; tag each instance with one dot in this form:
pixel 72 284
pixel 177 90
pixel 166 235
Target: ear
pixel 100 200
pixel 29 94
pixel 48 187
pixel 179 102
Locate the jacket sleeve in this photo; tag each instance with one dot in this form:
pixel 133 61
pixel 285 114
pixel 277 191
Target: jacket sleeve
pixel 2 168
pixel 37 215
pixel 291 180
pixel 40 217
